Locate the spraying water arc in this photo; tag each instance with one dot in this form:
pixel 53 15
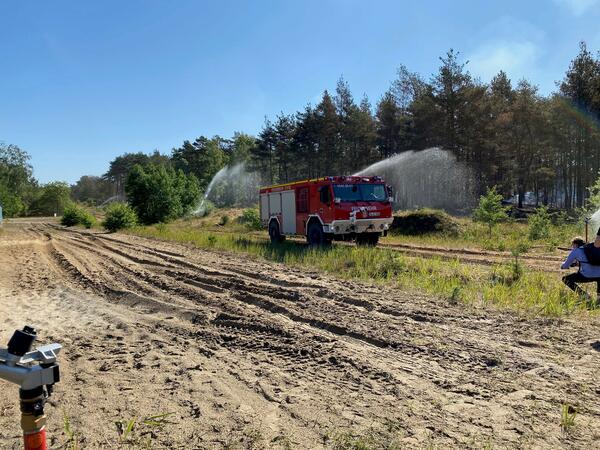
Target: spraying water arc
pixel 114 198
pixel 594 223
pixel 201 209
pixel 231 186
pixel 430 178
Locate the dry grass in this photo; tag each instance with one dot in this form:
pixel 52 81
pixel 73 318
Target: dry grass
pixel 504 286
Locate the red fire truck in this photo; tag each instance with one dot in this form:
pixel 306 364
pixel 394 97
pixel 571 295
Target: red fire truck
pixel 328 208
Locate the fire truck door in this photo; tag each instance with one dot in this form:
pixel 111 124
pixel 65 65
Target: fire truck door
pixel 325 198
pixel 288 211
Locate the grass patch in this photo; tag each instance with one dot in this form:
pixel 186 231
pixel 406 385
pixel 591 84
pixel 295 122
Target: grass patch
pixel 567 417
pixel 505 236
pixel 385 436
pixel 72 438
pixel 502 285
pixel 138 432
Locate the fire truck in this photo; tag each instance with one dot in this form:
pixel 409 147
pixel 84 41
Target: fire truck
pixel 328 208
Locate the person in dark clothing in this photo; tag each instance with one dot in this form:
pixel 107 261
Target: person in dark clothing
pixel 587 272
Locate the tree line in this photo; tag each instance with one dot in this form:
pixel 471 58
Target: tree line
pixel 20 192
pixel 513 137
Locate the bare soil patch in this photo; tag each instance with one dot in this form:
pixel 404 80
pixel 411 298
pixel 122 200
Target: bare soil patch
pixel 257 355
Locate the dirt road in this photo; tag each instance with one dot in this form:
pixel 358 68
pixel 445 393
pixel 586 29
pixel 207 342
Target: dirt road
pixel 248 354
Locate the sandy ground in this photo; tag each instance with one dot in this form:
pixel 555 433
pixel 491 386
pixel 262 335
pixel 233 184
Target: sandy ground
pixel 248 354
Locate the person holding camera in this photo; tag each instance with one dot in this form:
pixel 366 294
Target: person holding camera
pixel 587 273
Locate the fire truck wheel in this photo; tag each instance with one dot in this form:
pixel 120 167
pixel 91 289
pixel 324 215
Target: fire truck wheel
pixel 315 235
pixel 373 239
pixel 274 233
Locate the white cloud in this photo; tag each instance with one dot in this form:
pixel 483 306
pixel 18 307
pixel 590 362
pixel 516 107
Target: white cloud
pixel 517 59
pixel 578 7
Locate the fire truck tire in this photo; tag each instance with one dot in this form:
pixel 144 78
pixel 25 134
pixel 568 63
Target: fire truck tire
pixel 367 239
pixel 274 232
pixel 315 235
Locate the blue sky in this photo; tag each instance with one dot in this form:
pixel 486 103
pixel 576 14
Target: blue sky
pixel 82 82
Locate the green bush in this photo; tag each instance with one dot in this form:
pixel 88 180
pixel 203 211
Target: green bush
pixel 75 215
pixel 251 219
pixel 12 205
pixel 53 198
pixel 87 220
pixel 424 221
pixel 539 224
pixel 224 220
pixel 490 209
pixel 119 216
pixel 70 216
pixel 160 194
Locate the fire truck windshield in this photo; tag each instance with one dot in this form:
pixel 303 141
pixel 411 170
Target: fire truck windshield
pixel 360 192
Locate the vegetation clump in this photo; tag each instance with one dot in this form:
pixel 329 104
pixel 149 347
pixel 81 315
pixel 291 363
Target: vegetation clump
pixel 159 193
pixel 509 285
pixel 539 224
pixel 490 209
pixel 251 219
pixel 424 221
pixel 51 199
pixel 76 215
pixel 119 216
pixel 567 417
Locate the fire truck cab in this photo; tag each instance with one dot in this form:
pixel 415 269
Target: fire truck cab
pixel 328 208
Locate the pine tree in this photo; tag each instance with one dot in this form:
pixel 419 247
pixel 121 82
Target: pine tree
pixel 388 126
pixel 285 159
pixel 364 151
pixel 450 93
pixel 328 126
pixel 490 210
pixel 580 89
pixel 203 158
pixel 305 143
pixel 349 134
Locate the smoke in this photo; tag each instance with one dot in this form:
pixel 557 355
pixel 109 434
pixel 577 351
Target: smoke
pixel 430 178
pixel 231 186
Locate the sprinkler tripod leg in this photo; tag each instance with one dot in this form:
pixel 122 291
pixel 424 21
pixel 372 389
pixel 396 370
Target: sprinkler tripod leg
pixel 33 419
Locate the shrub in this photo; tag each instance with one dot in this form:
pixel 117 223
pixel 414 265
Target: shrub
pixel 251 219
pixel 539 224
pixel 159 193
pixel 490 210
pixel 70 216
pixel 424 221
pixel 12 205
pixel 560 218
pixel 86 219
pixel 119 216
pixel 224 220
pixel 75 215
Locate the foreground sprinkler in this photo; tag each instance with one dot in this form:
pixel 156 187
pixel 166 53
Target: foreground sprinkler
pixel 35 372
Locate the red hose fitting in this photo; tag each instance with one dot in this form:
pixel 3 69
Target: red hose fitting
pixel 35 440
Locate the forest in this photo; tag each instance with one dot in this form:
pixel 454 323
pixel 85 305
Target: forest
pixel 512 137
